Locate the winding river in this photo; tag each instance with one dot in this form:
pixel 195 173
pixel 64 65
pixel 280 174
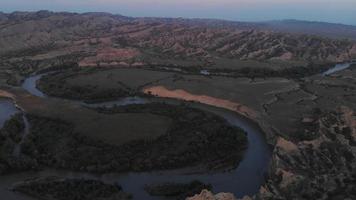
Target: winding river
pixel 7 109
pixel 338 67
pixel 246 179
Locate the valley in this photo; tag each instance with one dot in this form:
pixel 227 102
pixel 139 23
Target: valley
pixel 126 104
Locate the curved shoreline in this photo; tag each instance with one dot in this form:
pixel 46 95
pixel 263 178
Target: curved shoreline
pixel 8 109
pixel 246 179
pixel 180 94
pixel 229 182
pixel 338 67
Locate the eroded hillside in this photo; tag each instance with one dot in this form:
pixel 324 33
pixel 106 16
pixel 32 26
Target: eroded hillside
pixel 32 41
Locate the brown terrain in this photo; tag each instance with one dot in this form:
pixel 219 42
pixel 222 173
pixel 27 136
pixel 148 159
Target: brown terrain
pixel 32 41
pixel 308 119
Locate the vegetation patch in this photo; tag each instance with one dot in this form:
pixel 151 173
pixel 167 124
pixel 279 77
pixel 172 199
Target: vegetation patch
pixel 265 72
pixel 10 136
pixel 95 84
pixel 200 136
pixel 55 188
pixel 178 191
pixel 195 138
pixel 56 85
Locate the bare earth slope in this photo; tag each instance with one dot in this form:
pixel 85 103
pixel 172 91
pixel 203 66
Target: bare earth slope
pixel 33 40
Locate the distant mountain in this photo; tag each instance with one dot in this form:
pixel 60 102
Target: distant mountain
pixel 106 38
pixel 315 28
pixel 324 29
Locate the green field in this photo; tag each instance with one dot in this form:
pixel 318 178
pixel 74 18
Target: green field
pixel 114 129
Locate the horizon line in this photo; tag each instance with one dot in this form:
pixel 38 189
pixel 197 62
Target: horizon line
pixel 188 18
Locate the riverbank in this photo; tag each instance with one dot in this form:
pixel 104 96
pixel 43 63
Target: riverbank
pixel 181 125
pixel 49 188
pixel 161 91
pixel 191 140
pixel 213 179
pixel 295 112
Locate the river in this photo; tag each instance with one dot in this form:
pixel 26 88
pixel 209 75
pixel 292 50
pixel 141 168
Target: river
pixel 7 109
pixel 337 67
pixel 246 179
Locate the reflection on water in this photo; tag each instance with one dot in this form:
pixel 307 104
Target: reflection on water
pixel 122 102
pixel 204 72
pixel 30 85
pixel 337 67
pixel 7 109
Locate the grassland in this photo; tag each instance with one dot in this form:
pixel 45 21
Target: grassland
pixel 99 84
pixel 134 136
pixel 278 104
pixel 235 64
pixel 50 188
pixel 255 94
pixel 114 129
pixel 133 78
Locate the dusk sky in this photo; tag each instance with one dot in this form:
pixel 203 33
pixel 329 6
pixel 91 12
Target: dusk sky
pixel 340 11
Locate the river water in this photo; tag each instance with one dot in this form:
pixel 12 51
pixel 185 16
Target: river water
pixel 7 109
pixel 246 179
pixel 337 67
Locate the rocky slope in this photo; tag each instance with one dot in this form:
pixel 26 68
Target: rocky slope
pixel 34 40
pixel 206 195
pixel 316 28
pixel 243 44
pixel 320 168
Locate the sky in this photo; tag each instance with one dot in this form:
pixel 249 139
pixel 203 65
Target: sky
pixel 338 11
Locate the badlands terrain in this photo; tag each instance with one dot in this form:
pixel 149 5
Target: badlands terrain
pixel 86 96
